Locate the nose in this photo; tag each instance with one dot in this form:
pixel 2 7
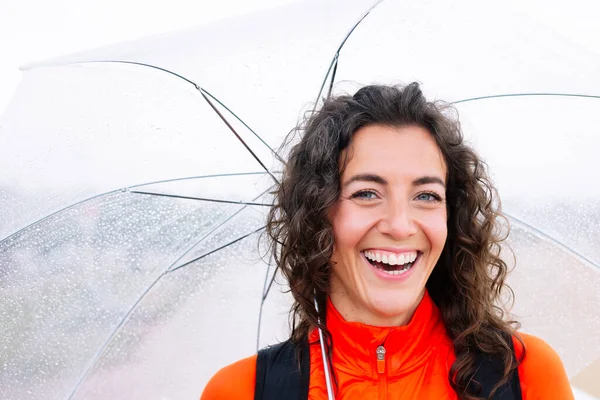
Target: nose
pixel 398 221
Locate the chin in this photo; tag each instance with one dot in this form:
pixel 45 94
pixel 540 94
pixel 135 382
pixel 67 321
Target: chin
pixel 395 308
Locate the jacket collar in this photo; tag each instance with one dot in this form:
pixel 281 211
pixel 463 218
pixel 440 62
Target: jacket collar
pixel 407 347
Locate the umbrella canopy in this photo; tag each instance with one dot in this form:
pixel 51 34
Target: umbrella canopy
pixel 127 292
pixel 91 232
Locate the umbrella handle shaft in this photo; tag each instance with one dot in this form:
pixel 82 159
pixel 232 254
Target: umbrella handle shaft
pixel 330 395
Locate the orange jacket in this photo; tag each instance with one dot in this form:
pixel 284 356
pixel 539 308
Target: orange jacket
pixel 417 360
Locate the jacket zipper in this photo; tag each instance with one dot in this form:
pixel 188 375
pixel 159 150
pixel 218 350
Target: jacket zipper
pixel 381 372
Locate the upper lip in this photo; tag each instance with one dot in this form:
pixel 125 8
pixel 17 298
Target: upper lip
pixel 392 250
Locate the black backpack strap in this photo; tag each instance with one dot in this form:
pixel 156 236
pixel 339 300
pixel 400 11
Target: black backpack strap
pixel 489 372
pixel 278 375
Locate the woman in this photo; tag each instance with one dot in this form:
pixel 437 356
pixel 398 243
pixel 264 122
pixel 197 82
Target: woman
pixel 386 227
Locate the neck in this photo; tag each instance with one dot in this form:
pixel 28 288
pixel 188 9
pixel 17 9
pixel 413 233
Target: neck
pixel 356 311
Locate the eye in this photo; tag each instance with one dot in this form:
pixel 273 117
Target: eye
pixel 365 195
pixel 430 197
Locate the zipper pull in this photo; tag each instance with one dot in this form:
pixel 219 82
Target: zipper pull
pixel 381 359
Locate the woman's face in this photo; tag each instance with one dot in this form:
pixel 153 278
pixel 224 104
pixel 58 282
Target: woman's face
pixel 389 224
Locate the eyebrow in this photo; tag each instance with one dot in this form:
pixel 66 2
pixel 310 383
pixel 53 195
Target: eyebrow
pixel 424 180
pixel 365 178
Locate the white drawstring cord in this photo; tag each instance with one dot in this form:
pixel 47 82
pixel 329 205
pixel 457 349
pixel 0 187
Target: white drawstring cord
pixel 324 356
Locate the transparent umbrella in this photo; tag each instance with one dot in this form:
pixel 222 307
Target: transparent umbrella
pixel 125 280
pixel 80 284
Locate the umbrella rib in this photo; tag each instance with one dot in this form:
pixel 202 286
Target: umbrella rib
pixel 170 267
pixel 334 61
pixel 215 250
pixel 267 277
pixel 332 77
pixel 204 94
pixel 197 177
pixel 215 109
pixel 239 119
pixel 140 64
pixel 120 190
pixel 260 311
pixel 112 336
pixel 200 198
pixel 552 239
pixel 268 288
pixel 497 96
pixel 39 221
pixel 262 303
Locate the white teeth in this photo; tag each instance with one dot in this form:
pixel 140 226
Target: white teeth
pixel 396 272
pixel 391 259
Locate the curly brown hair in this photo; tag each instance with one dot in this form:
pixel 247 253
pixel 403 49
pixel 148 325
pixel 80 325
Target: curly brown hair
pixel 468 280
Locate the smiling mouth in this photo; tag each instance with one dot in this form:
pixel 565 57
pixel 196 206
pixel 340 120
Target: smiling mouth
pixel 391 269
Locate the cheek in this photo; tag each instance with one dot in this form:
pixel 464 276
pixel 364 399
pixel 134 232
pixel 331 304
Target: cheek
pixel 350 225
pixel 436 229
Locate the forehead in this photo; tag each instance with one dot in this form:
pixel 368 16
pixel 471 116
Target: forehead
pixel 394 152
